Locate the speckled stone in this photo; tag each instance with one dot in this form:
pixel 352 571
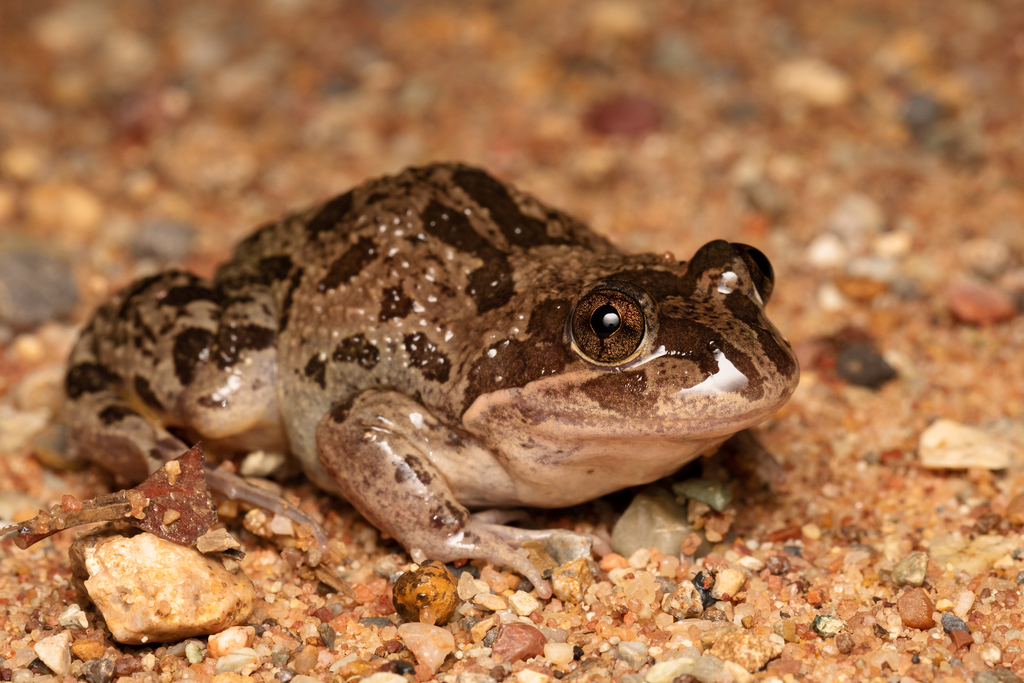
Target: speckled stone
pixel 518 641
pixel 146 588
pixel 911 570
pixel 751 650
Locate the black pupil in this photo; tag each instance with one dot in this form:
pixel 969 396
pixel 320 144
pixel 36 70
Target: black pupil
pixel 605 321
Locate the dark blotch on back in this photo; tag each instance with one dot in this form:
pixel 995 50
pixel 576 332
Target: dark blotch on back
pixel 186 294
pixel 394 304
pixel 453 228
pixel 115 413
pixel 349 264
pixel 136 288
pixel 88 378
pixel 624 392
pixel 330 215
pixel 519 229
pixel 316 370
pixel 289 298
pixel 426 357
pixel 191 347
pixel 275 268
pixel 145 392
pixel 491 284
pixel 232 341
pixel 356 349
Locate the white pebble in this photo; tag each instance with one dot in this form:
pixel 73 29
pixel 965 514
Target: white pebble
pixel 827 251
pixel 949 444
pixel 523 603
pixel 430 644
pixel 558 653
pixel 55 651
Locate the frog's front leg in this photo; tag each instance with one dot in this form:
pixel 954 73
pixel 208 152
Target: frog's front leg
pixel 385 452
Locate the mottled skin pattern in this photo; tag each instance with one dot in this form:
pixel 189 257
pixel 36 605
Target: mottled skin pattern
pixel 414 343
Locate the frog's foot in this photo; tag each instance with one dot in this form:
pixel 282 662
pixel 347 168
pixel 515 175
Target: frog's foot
pixel 405 471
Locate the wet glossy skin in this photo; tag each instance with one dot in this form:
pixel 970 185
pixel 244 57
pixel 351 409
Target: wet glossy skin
pixel 437 340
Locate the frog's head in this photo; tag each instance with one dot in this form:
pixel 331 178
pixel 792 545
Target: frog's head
pixel 653 350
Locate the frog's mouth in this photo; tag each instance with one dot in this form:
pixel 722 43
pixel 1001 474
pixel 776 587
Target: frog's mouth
pixel 634 407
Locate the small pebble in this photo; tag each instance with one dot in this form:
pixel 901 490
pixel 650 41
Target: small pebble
pixel 428 594
pixel 305 660
pixel 952 445
pixel 35 287
pixel 911 570
pixel 194 652
pixel 469 587
pixel 219 644
pixel 242 661
pixel 728 582
pixel 960 638
pixel 861 365
pixel 1015 509
pixel 827 250
pixel 973 300
pixel 845 644
pixel 951 622
pixel 921 112
pixel 430 644
pixel 626 115
pixel 684 602
pixel 570 581
pixel 915 608
pixel 85 649
pixel 813 81
pixel 55 651
pixel 98 670
pixel 73 617
pixel 750 650
pixel 566 546
pixel 856 218
pixel 165 241
pixel 653 520
pixel 997 675
pixel 381 677
pixel 490 601
pixel 327 635
pixel 711 492
pixel 558 653
pixel 632 652
pixel 523 603
pixel 518 641
pixel 827 626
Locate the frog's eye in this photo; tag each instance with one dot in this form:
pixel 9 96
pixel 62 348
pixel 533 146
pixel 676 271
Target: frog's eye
pixel 760 268
pixel 608 324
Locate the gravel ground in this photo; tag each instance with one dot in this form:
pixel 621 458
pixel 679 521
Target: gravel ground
pixel 873 150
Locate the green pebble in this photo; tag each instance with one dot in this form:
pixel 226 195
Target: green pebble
pixel 711 492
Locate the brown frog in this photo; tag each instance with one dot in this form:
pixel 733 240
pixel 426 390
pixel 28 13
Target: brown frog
pixel 437 341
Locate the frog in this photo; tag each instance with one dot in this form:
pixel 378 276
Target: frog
pixel 433 343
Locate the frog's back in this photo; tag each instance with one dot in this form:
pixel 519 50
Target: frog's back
pixel 398 284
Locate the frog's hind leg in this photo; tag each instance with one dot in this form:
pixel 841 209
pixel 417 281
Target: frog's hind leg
pixel 112 411
pixel 171 350
pixel 382 450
